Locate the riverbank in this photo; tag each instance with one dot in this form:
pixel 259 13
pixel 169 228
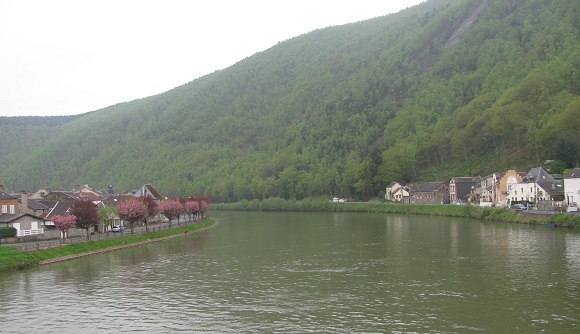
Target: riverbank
pixel 11 259
pixel 466 211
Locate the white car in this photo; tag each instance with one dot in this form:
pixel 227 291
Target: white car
pixel 118 228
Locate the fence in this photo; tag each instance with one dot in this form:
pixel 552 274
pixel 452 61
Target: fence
pixel 45 244
pixel 24 233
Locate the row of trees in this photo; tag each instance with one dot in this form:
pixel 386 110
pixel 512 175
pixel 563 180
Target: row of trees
pixel 85 214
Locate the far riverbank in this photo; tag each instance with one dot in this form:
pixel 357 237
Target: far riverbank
pixel 11 259
pixel 466 211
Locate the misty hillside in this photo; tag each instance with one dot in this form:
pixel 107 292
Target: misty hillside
pixel 446 88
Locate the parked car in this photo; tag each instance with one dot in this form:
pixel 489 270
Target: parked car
pixel 118 228
pixel 519 207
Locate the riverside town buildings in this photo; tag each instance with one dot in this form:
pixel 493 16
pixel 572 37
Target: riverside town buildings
pixel 536 189
pixel 30 213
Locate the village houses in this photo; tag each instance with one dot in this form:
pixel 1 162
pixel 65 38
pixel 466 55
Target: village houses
pixel 539 189
pixel 396 192
pixel 31 213
pixel 572 190
pixel 536 189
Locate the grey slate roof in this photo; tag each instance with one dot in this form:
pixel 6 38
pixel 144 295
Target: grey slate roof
pixel 35 204
pixel 543 179
pixel 5 195
pixel 8 218
pixel 574 174
pixel 56 208
pixel 429 186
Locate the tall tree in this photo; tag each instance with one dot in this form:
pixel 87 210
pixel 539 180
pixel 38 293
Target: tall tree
pixel 365 176
pixel 132 211
pixel 566 149
pixel 86 214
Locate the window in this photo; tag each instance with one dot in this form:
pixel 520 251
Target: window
pixel 12 210
pixel 4 208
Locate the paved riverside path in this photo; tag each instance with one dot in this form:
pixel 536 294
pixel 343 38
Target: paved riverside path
pixel 45 244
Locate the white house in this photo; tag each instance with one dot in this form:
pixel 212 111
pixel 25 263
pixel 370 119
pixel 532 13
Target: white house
pixel 395 192
pixel 24 223
pixel 536 187
pixel 572 189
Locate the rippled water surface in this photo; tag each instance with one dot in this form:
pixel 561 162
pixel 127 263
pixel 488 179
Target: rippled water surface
pixel 312 272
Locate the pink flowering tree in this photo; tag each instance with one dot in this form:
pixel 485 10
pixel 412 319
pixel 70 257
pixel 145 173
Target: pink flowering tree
pixel 203 207
pixel 192 207
pixel 132 211
pixel 171 209
pixel 64 223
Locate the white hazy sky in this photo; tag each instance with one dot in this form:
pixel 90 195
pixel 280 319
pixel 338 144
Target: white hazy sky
pixel 65 57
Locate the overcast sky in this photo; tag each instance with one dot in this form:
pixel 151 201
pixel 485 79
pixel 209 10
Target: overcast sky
pixel 70 57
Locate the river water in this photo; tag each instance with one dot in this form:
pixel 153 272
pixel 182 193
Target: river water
pixel 312 272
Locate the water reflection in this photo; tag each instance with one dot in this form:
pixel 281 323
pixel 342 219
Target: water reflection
pixel 313 272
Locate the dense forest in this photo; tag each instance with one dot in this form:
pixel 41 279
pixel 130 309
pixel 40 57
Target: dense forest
pixel 445 88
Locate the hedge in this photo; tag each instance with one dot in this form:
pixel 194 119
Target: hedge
pixel 7 232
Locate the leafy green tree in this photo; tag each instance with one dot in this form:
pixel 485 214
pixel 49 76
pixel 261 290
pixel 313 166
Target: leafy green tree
pixel 365 178
pixel 557 167
pixel 566 150
pixel 108 214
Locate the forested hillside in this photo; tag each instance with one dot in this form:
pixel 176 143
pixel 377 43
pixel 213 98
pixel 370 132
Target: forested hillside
pixel 446 88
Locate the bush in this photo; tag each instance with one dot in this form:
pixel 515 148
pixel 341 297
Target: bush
pixel 7 232
pixel 565 220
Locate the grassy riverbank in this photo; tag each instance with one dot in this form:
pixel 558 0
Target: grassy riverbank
pixel 467 211
pixel 11 259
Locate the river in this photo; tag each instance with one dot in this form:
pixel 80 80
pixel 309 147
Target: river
pixel 277 272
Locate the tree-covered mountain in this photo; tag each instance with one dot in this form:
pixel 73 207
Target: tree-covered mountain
pixel 446 88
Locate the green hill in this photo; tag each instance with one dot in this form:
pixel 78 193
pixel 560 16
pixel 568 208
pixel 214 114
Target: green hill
pixel 446 88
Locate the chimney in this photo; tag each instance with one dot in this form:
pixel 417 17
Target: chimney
pixel 23 201
pixel 1 187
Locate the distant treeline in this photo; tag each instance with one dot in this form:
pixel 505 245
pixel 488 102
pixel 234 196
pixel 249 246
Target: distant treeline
pixel 36 120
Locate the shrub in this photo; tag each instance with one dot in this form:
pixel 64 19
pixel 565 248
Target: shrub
pixel 7 232
pixel 566 220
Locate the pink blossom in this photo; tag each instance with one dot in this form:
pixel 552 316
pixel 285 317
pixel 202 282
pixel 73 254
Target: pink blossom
pixel 132 211
pixel 64 223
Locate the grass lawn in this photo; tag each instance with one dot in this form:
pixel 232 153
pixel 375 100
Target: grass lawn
pixel 11 259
